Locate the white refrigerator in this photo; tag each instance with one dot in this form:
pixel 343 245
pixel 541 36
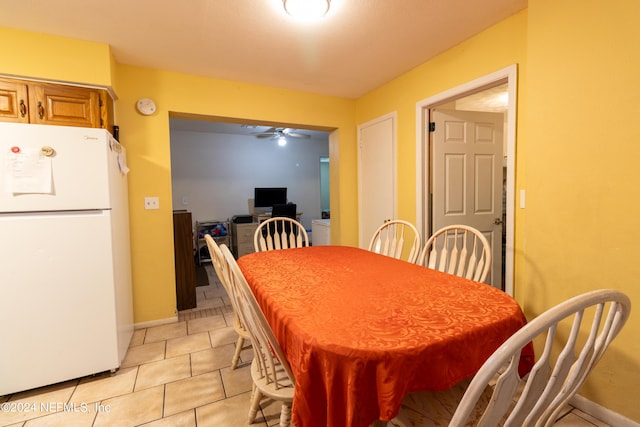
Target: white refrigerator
pixel 65 270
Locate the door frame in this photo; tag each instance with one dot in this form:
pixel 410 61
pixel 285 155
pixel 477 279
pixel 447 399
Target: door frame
pixel 423 173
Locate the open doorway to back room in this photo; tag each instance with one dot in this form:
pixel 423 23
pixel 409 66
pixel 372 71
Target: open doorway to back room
pixel 217 166
pixel 492 93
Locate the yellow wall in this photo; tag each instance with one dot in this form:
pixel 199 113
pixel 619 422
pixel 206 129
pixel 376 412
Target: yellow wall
pixel 580 227
pixel 49 57
pixel 577 143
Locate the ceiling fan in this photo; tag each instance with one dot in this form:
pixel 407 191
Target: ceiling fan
pixel 276 133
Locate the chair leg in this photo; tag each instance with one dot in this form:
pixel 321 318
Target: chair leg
pixel 285 415
pixel 236 355
pixel 255 404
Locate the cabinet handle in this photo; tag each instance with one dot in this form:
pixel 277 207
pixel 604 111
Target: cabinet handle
pixel 40 110
pixel 23 108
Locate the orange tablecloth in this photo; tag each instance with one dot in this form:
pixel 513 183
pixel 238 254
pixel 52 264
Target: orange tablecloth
pixel 361 330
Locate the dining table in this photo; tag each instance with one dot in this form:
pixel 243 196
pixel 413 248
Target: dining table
pixel 360 330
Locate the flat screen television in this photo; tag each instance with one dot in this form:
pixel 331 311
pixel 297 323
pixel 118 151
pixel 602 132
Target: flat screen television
pixel 267 197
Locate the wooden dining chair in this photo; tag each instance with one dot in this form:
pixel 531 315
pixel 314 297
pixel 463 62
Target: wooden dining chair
pixel 390 239
pixel 280 233
pixel 460 250
pixel 270 371
pixel 222 270
pixel 573 336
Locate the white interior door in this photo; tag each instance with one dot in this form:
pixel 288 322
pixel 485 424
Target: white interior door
pixel 376 175
pixel 468 176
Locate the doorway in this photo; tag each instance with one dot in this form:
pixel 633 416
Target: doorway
pixel 508 78
pixel 215 167
pixel 325 203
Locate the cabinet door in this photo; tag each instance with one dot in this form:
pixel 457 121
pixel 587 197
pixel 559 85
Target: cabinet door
pixel 106 110
pixel 185 267
pixel 64 105
pixel 13 102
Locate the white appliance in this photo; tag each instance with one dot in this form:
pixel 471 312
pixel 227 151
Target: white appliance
pixel 65 270
pixel 321 232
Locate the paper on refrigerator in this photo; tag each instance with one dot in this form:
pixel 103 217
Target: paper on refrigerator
pixel 28 171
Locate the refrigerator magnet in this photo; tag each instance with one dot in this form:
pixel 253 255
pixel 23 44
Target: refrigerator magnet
pixel 47 151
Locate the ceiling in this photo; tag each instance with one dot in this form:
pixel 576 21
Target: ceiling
pixel 358 46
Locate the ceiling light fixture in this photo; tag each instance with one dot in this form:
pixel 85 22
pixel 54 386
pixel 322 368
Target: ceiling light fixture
pixel 282 141
pixel 306 9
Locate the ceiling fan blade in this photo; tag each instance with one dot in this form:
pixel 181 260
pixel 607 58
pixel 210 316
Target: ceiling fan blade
pixel 297 135
pixel 280 132
pixel 269 131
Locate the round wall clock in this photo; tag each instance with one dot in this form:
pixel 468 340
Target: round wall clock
pixel 146 106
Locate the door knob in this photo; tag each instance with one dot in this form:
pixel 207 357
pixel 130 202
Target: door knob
pixel 498 221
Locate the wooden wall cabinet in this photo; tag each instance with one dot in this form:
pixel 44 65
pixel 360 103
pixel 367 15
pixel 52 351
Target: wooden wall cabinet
pixel 24 101
pixel 14 102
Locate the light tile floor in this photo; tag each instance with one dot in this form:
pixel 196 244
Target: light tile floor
pixel 173 375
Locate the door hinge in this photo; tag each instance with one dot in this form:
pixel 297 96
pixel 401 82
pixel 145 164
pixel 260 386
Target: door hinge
pixel 432 126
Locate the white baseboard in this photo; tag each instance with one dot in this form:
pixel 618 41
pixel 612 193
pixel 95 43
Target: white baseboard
pixel 602 413
pixel 158 322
